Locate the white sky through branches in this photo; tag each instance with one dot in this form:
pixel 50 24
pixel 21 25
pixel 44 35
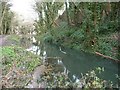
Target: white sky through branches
pixel 24 8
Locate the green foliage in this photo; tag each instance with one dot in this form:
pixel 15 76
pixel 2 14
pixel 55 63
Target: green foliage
pixel 108 27
pixel 50 11
pixel 59 80
pixel 19 56
pixel 106 46
pixel 78 34
pixel 14 38
pixel 88 80
pixel 81 26
pixel 6 17
pixel 91 80
pixel 18 63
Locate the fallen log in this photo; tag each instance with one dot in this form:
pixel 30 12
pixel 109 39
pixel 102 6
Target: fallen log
pixel 116 60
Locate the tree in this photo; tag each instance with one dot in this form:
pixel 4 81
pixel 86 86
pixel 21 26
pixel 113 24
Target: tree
pixel 6 17
pixel 48 12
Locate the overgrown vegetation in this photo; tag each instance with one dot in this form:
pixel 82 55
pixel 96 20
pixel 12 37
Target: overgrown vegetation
pixel 6 17
pixel 17 66
pixel 91 27
pixel 87 81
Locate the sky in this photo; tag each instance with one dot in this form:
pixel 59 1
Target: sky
pixel 24 8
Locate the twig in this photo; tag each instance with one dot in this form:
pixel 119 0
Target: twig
pixel 116 60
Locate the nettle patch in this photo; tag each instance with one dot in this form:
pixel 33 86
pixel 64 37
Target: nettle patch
pixel 17 66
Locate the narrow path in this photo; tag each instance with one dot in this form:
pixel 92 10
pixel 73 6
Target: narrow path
pixel 3 39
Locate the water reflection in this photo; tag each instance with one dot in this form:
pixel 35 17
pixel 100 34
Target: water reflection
pixel 78 62
pixel 34 49
pixel 73 63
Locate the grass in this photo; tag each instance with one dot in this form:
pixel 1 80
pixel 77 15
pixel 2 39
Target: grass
pixel 17 61
pixel 14 38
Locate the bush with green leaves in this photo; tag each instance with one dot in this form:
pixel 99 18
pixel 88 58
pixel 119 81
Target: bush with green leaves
pixel 90 80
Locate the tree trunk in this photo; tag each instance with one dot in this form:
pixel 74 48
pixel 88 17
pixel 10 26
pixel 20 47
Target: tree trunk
pixel 67 14
pixel 95 15
pixel 1 21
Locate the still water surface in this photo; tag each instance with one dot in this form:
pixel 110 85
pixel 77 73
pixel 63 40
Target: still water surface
pixel 77 62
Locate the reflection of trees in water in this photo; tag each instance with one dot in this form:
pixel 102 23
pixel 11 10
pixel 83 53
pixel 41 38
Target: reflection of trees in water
pixel 42 47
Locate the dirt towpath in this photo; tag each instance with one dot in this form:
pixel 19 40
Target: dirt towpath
pixel 3 39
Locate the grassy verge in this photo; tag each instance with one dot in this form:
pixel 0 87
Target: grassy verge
pixel 17 40
pixel 17 66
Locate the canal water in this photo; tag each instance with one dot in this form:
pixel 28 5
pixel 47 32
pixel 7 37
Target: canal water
pixel 76 62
